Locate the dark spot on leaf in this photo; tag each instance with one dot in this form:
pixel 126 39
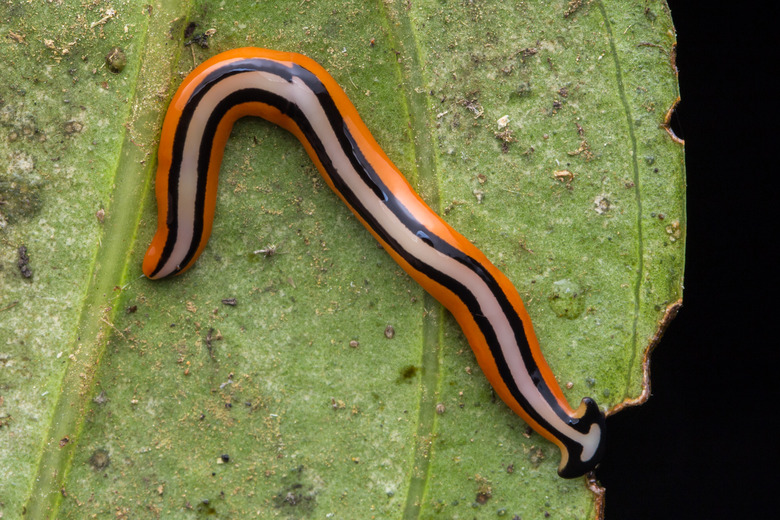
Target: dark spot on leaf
pixel 190 29
pixel 200 39
pixel 483 497
pixel 99 459
pixel 116 59
pixel 205 508
pixel 296 493
pixel 408 372
pixel 389 332
pixel 484 491
pixel 23 262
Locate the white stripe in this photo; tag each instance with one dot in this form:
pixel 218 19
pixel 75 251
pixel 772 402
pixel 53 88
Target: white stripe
pixel 409 241
pixel 298 93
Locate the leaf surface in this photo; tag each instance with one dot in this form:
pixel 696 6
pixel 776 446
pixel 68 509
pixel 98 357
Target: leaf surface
pixel 124 397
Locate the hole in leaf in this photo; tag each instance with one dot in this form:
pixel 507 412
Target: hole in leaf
pixel 673 122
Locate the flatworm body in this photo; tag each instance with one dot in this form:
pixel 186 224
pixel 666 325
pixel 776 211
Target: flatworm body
pixel 297 94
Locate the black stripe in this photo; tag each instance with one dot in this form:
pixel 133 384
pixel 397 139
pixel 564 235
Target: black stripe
pixel 370 178
pixel 174 174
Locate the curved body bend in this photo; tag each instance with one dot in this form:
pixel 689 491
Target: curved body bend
pixel 297 94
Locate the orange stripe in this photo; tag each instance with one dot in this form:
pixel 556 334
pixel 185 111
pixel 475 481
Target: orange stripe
pixel 390 176
pixel 399 185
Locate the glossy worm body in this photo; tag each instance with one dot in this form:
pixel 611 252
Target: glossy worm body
pixel 297 94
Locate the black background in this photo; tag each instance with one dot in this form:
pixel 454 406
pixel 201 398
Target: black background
pixel 705 446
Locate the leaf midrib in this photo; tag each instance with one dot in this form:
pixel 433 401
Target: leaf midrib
pixel 426 177
pixel 109 272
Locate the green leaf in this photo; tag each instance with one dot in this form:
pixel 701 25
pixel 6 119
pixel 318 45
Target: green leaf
pixel 121 397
